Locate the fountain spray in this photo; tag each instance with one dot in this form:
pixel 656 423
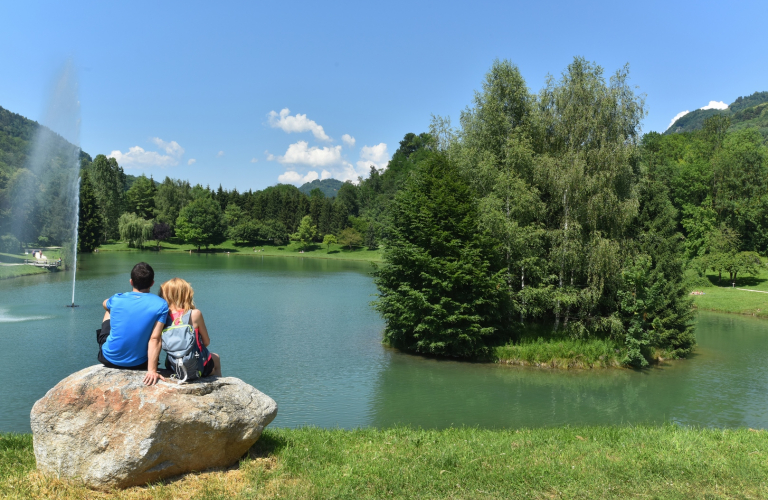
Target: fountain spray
pixel 76 224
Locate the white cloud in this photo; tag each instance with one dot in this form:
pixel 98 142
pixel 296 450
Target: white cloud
pixel 348 140
pixel 172 148
pixel 332 163
pixel 219 154
pixel 254 160
pixel 301 154
pixel 715 105
pixel 373 155
pixel 191 161
pixel 297 123
pixel 138 157
pixel 677 116
pixel 292 177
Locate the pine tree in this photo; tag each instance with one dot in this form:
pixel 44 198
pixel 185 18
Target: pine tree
pixel 441 288
pixel 90 224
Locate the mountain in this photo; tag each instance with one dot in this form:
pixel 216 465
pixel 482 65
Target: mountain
pixel 745 112
pixel 329 187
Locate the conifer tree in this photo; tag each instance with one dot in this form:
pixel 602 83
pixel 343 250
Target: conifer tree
pixel 441 289
pixel 89 227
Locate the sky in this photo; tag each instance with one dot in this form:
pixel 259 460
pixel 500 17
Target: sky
pixel 249 94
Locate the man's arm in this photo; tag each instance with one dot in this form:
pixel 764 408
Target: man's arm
pixel 105 305
pixel 153 353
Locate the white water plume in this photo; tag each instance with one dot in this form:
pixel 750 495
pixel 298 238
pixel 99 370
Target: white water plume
pixel 45 204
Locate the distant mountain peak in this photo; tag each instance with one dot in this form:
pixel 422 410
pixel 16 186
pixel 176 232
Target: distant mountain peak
pixel 329 187
pixel 745 112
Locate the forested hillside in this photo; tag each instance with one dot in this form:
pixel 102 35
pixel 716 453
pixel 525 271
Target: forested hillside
pixel 744 112
pixel 32 203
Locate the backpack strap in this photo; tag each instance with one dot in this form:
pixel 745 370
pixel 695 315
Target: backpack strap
pixel 187 318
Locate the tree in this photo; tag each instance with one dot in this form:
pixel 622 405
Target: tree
pixel 330 239
pixel 370 237
pixel 306 232
pixel 200 223
pixel 245 232
pixel 171 196
pixel 274 231
pixel 350 237
pixel 441 287
pixel 89 229
pixel 140 198
pixel 161 232
pixel 135 230
pixel 109 186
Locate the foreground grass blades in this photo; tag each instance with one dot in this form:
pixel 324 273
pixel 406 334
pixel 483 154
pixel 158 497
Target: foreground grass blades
pixel 565 462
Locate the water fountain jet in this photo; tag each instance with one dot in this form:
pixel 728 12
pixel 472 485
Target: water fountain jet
pixel 46 203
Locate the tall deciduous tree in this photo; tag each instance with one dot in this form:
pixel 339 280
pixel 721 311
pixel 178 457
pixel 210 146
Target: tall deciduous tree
pixel 200 223
pixel 350 237
pixel 306 232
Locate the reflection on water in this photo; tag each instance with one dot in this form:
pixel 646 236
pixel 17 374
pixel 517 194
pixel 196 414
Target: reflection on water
pixel 302 331
pixel 7 318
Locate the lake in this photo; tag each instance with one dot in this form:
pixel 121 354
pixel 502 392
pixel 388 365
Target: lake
pixel 302 331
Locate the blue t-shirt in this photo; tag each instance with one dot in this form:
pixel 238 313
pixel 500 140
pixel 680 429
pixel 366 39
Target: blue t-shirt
pixel 132 317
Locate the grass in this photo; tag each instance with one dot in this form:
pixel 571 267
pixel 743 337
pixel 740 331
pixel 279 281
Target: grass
pixel 731 300
pixel 7 272
pixel 564 462
pixel 562 353
pixel 292 249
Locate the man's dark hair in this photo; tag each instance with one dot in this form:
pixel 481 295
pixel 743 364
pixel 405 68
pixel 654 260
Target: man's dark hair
pixel 142 275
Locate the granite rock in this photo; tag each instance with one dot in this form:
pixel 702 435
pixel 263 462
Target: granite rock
pixel 105 427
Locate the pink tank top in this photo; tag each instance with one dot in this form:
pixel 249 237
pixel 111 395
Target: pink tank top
pixel 176 317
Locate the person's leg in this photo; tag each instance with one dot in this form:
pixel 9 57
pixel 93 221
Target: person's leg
pixel 217 364
pixel 101 337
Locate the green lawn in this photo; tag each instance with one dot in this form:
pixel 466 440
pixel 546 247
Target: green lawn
pixel 290 250
pixel 563 462
pixel 731 299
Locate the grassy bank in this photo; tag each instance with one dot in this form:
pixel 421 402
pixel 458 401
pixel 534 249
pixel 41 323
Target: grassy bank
pixel 7 272
pixel 579 462
pixel 290 250
pixel 730 299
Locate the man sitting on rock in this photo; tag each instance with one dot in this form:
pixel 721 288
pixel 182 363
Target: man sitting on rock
pixel 129 338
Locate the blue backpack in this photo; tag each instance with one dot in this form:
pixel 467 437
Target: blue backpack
pixel 182 349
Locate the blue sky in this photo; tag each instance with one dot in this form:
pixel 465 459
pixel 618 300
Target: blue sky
pixel 197 90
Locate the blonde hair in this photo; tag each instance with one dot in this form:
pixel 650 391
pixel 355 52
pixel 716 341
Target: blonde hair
pixel 178 293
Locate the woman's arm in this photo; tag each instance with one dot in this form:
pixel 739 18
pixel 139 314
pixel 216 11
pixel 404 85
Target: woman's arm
pixel 199 323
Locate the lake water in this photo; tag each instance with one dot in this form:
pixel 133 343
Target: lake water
pixel 302 331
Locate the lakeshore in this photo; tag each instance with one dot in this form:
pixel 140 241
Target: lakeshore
pixel 292 249
pixel 665 461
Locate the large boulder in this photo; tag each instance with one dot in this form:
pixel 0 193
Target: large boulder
pixel 105 427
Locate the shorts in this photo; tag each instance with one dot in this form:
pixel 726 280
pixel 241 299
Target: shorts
pixel 101 337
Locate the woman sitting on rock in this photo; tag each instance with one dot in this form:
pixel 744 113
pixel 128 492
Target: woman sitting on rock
pixel 180 297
